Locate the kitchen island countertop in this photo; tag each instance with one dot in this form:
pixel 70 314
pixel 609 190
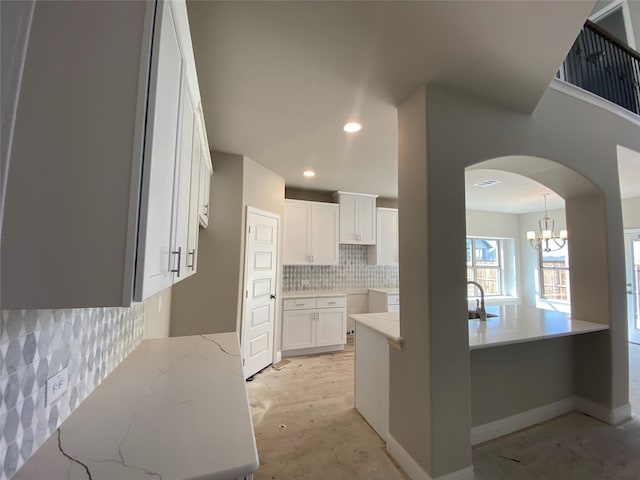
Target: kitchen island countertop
pixel 514 324
pixel 174 408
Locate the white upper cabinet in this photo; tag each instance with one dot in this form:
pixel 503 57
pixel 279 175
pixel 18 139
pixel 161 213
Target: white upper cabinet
pixel 357 218
pixel 385 251
pixel 174 147
pixel 205 180
pixel 108 218
pixel 310 233
pixel 159 255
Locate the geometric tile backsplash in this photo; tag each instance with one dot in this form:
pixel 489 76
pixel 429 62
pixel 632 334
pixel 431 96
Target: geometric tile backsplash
pixel 352 272
pixel 36 344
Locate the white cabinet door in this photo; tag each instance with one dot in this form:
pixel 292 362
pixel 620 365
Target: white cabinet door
pixel 324 234
pixel 158 260
pixel 331 327
pixel 205 183
pixel 194 202
pixel 297 233
pixel 298 329
pixel 182 194
pixel 366 220
pixel 357 218
pixel 348 206
pixel 385 251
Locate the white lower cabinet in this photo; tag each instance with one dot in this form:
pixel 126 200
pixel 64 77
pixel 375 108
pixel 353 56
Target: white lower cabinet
pixel 313 324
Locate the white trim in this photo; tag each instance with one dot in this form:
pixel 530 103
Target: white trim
pixel 504 426
pixel 604 414
pixel 277 357
pixel 415 471
pixel 406 461
pixel 588 97
pixel 626 17
pixel 313 350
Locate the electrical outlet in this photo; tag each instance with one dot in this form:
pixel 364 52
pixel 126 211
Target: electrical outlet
pixel 56 386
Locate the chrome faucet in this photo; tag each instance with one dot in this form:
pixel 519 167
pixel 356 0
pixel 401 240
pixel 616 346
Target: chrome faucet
pixel 480 310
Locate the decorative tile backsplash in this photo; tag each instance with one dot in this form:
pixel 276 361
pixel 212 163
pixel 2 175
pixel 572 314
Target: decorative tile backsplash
pixel 352 273
pixel 36 344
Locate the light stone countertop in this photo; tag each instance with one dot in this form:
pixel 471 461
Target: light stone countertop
pixel 388 291
pixel 386 323
pixel 514 324
pixel 175 408
pixel 518 323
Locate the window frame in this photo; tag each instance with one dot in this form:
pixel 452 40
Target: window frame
pixel 500 273
pixel 555 285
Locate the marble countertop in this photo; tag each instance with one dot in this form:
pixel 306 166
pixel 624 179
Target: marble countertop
pixel 518 323
pixel 514 324
pixel 386 323
pixel 388 291
pixel 176 408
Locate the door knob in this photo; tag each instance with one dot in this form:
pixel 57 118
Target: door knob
pixel 273 297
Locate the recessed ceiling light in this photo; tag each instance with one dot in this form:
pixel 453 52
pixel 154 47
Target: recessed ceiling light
pixel 352 127
pixel 309 173
pixel 486 183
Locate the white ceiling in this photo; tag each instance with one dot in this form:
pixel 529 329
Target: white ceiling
pixel 279 79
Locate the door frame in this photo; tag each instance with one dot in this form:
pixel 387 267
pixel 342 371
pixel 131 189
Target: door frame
pixel 276 353
pixel 614 6
pixel 629 233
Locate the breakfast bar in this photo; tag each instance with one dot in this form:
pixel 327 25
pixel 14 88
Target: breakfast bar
pixel 510 331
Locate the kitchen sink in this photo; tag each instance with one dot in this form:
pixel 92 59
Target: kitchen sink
pixel 474 315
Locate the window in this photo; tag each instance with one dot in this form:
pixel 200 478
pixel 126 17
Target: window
pixel 554 274
pixel 484 265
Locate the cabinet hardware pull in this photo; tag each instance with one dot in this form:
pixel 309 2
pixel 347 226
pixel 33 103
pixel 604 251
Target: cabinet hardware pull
pixel 193 259
pixel 332 303
pixel 206 210
pixel 179 253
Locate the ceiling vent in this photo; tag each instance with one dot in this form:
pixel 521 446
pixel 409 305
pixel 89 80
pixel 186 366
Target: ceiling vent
pixel 486 183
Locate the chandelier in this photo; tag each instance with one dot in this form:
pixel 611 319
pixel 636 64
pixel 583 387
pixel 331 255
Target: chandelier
pixel 545 239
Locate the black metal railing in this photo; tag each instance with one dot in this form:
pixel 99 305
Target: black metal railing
pixel 601 64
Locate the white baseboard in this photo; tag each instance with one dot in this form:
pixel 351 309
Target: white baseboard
pixel 278 357
pixel 415 471
pixel 604 414
pixel 504 426
pixel 312 351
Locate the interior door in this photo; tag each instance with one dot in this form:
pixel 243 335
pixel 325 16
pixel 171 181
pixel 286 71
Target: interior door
pixel 261 268
pixel 632 255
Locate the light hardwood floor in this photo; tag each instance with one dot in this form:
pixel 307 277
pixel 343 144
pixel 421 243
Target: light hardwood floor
pixel 306 428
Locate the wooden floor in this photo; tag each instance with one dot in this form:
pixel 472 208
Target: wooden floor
pixel 306 426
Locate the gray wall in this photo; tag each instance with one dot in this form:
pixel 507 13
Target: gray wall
pixel 210 301
pixel 634 13
pixel 327 197
pixel 537 373
pixel 631 212
pixel 263 189
pixel 441 133
pixel 207 302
